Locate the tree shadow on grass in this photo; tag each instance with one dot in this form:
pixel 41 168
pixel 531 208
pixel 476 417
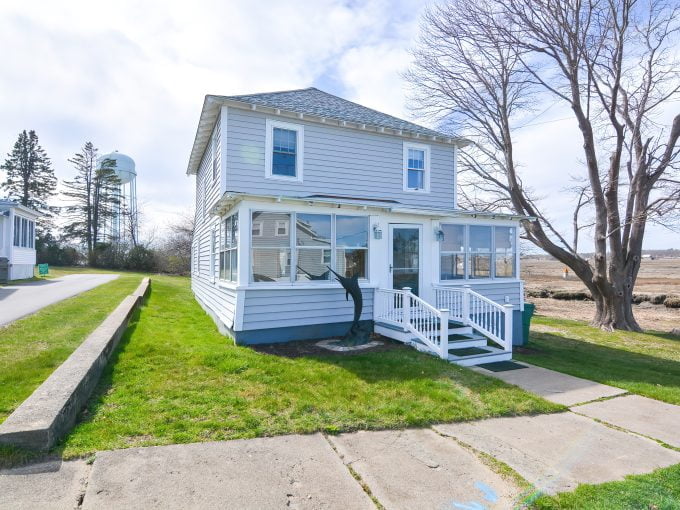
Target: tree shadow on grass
pixel 639 373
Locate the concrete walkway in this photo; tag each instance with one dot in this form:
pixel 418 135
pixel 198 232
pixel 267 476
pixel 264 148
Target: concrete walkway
pixel 17 301
pixel 434 468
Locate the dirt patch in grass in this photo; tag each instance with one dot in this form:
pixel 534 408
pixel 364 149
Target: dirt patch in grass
pixel 304 348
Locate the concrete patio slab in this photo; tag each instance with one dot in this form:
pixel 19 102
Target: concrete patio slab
pixel 554 386
pixel 643 415
pixel 281 472
pixel 408 469
pixel 556 452
pixel 53 485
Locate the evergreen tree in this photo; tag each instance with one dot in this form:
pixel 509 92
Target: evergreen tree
pixel 30 178
pixel 93 197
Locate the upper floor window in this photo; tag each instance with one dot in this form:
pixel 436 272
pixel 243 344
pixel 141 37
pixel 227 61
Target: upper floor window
pixel 229 248
pixel 416 167
pixel 284 148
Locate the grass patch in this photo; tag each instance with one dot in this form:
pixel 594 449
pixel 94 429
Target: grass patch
pixel 647 364
pixel 32 347
pixel 175 379
pixel 659 490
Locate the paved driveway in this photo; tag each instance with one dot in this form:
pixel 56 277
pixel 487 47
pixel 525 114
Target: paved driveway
pixel 23 299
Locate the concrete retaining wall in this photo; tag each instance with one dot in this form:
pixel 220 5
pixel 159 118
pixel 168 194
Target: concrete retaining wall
pixel 50 412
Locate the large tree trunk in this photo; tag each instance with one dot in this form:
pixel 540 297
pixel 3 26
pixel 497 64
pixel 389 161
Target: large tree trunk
pixel 614 310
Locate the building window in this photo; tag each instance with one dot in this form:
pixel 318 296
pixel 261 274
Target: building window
pixel 416 167
pixel 320 241
pixel 452 253
pixel 257 229
pixel 313 247
pixel 480 251
pixel 284 147
pixel 216 150
pixel 17 231
pixel 351 246
pixel 270 252
pixel 229 249
pixel 504 246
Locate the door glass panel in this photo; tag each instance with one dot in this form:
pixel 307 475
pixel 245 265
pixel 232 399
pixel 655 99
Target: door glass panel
pixel 406 258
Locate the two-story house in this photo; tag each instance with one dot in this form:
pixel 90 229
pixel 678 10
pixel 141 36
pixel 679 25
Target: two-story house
pixel 289 184
pixel 17 241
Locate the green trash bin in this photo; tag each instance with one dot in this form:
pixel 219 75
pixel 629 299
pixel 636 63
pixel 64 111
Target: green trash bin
pixel 527 314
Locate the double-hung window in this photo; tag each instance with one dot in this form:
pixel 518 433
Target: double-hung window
pixel 313 246
pixel 270 253
pixel 351 245
pixel 504 246
pixel 416 167
pixel 480 251
pixel 229 249
pixel 284 147
pixel 319 242
pixel 452 253
pixel 17 231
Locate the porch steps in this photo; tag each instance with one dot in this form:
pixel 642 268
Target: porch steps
pixel 466 347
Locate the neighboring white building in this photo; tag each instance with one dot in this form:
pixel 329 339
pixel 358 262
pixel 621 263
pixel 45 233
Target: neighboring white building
pixel 17 240
pixel 291 183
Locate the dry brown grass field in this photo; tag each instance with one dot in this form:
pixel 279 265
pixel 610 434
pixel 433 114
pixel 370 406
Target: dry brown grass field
pixel 660 276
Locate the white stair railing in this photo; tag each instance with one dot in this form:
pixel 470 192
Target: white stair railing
pixel 427 323
pixel 491 319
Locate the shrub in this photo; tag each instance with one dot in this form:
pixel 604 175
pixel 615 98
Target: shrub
pixel 658 299
pixel 672 302
pixel 569 295
pixel 140 258
pixel 641 298
pixel 540 293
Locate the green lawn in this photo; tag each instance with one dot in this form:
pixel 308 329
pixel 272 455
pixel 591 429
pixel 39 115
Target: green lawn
pixel 659 490
pixel 175 379
pixel 644 363
pixel 31 348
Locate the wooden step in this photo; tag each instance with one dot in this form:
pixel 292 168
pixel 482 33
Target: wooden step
pixel 467 358
pixel 460 342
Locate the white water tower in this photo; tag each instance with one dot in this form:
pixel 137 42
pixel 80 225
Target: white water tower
pixel 124 222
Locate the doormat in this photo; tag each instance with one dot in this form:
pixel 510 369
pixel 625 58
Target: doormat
pixel 502 366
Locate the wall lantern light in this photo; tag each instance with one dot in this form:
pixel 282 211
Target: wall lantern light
pixel 377 233
pixel 438 234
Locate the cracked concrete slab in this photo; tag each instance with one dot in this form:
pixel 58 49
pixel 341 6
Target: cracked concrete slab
pixel 557 452
pixel 300 472
pixel 53 485
pixel 554 386
pixel 643 415
pixel 408 469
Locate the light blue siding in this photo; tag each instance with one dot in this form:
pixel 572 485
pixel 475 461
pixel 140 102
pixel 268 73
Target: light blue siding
pixel 497 290
pixel 337 161
pixel 274 308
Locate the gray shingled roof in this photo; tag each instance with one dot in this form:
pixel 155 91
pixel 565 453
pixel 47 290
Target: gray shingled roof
pixel 312 101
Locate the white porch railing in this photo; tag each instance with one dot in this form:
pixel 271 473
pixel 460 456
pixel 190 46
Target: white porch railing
pixel 472 309
pixel 404 309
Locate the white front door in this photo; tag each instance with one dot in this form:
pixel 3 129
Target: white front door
pixel 405 256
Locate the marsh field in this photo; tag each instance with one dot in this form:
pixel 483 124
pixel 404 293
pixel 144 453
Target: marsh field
pixel 659 276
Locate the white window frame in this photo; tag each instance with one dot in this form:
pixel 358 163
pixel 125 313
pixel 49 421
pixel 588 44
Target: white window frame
pixel 426 170
pixel 255 224
pixel 269 149
pixel 276 228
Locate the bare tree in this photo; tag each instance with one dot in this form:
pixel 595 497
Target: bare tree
pixel 482 64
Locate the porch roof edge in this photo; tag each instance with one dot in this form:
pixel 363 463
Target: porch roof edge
pixel 230 198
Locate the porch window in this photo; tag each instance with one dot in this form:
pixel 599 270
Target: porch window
pixel 505 252
pixel 270 254
pixel 313 246
pixel 452 254
pixel 17 231
pixel 284 146
pixel 351 243
pixel 480 251
pixel 416 167
pixel 229 249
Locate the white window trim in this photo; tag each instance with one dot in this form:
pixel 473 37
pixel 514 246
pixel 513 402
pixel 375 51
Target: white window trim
pixel 426 176
pixel 277 224
pixel 257 224
pixel 269 149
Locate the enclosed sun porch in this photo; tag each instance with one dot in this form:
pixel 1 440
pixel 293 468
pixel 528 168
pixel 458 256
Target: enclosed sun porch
pixel 442 280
